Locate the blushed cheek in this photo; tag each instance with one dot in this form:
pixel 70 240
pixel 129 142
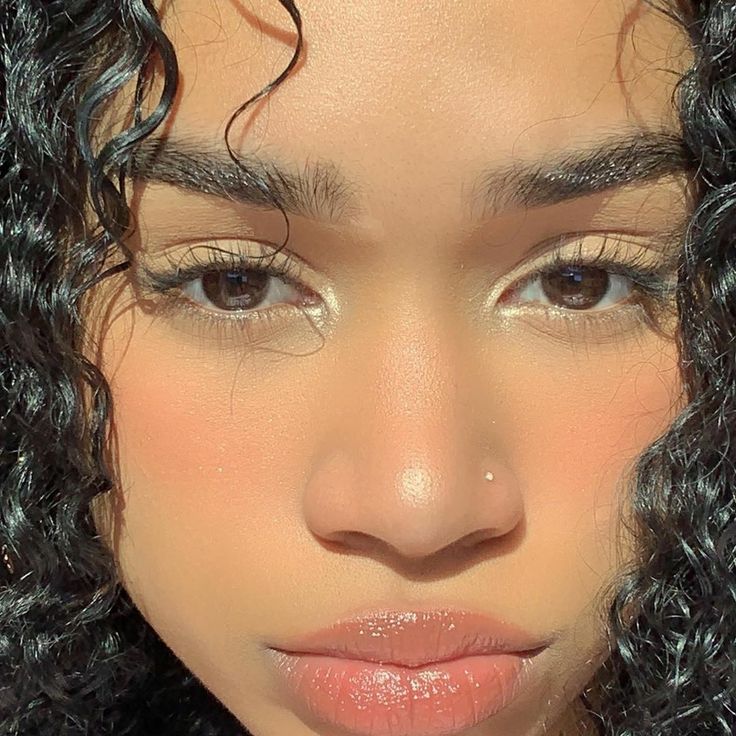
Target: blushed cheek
pixel 198 430
pixel 206 454
pixel 582 435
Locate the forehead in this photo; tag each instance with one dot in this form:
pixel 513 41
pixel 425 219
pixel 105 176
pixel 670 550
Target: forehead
pixel 432 70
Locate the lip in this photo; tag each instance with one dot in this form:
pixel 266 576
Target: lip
pixel 408 673
pixel 415 638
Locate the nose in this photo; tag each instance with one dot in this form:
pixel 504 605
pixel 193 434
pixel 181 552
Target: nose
pixel 407 464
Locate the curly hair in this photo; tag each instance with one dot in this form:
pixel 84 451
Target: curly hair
pixel 76 656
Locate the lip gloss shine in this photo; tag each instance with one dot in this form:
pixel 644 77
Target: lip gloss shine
pixel 407 673
pixel 372 699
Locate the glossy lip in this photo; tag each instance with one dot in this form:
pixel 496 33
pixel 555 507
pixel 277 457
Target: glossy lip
pixel 369 699
pixel 416 638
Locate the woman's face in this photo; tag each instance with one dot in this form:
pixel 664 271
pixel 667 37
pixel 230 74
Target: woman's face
pixel 294 452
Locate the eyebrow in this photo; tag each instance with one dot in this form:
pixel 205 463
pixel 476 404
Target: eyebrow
pixel 318 189
pixel 634 158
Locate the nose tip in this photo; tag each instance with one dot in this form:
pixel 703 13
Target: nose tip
pixel 418 516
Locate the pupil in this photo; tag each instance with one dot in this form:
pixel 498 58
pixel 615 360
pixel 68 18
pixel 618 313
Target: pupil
pixel 235 289
pixel 575 287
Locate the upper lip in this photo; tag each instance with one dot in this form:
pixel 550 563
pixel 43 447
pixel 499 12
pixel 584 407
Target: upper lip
pixel 413 638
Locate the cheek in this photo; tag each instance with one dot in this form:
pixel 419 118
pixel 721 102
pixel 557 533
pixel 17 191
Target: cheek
pixel 578 435
pixel 205 446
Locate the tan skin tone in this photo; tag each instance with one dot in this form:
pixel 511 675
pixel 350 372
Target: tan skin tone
pixel 275 476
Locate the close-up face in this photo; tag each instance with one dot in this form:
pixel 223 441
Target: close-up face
pixel 439 407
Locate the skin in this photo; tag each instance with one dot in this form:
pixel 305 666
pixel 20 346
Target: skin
pixel 272 481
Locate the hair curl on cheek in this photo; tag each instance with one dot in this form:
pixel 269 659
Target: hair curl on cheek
pixel 76 656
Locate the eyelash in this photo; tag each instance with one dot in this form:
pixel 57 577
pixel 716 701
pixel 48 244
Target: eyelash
pixel 167 282
pixel 652 289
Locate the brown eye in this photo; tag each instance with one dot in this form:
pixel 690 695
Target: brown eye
pixel 241 289
pixel 575 287
pixel 232 290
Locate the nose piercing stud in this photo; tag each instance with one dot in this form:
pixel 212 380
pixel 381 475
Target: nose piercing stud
pixel 488 475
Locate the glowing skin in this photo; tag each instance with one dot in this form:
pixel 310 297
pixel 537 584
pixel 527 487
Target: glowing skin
pixel 269 490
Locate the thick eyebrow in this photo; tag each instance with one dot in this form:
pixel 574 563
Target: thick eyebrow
pixel 320 190
pixel 632 158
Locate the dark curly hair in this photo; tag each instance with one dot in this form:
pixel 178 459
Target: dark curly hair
pixel 76 656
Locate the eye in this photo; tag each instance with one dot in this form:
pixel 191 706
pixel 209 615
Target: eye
pixel 576 287
pixel 238 290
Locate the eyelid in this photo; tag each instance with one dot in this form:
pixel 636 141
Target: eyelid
pixel 174 273
pixel 607 246
pixel 650 241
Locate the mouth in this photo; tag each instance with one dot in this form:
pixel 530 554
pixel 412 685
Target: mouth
pixel 414 663
pixel 416 638
pixel 429 672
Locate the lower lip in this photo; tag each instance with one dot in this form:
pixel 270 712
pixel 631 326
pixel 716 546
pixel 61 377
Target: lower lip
pixel 372 699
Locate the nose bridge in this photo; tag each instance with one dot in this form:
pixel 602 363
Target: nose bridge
pixel 413 375
pixel 414 434
pixel 409 467
pixel 406 391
